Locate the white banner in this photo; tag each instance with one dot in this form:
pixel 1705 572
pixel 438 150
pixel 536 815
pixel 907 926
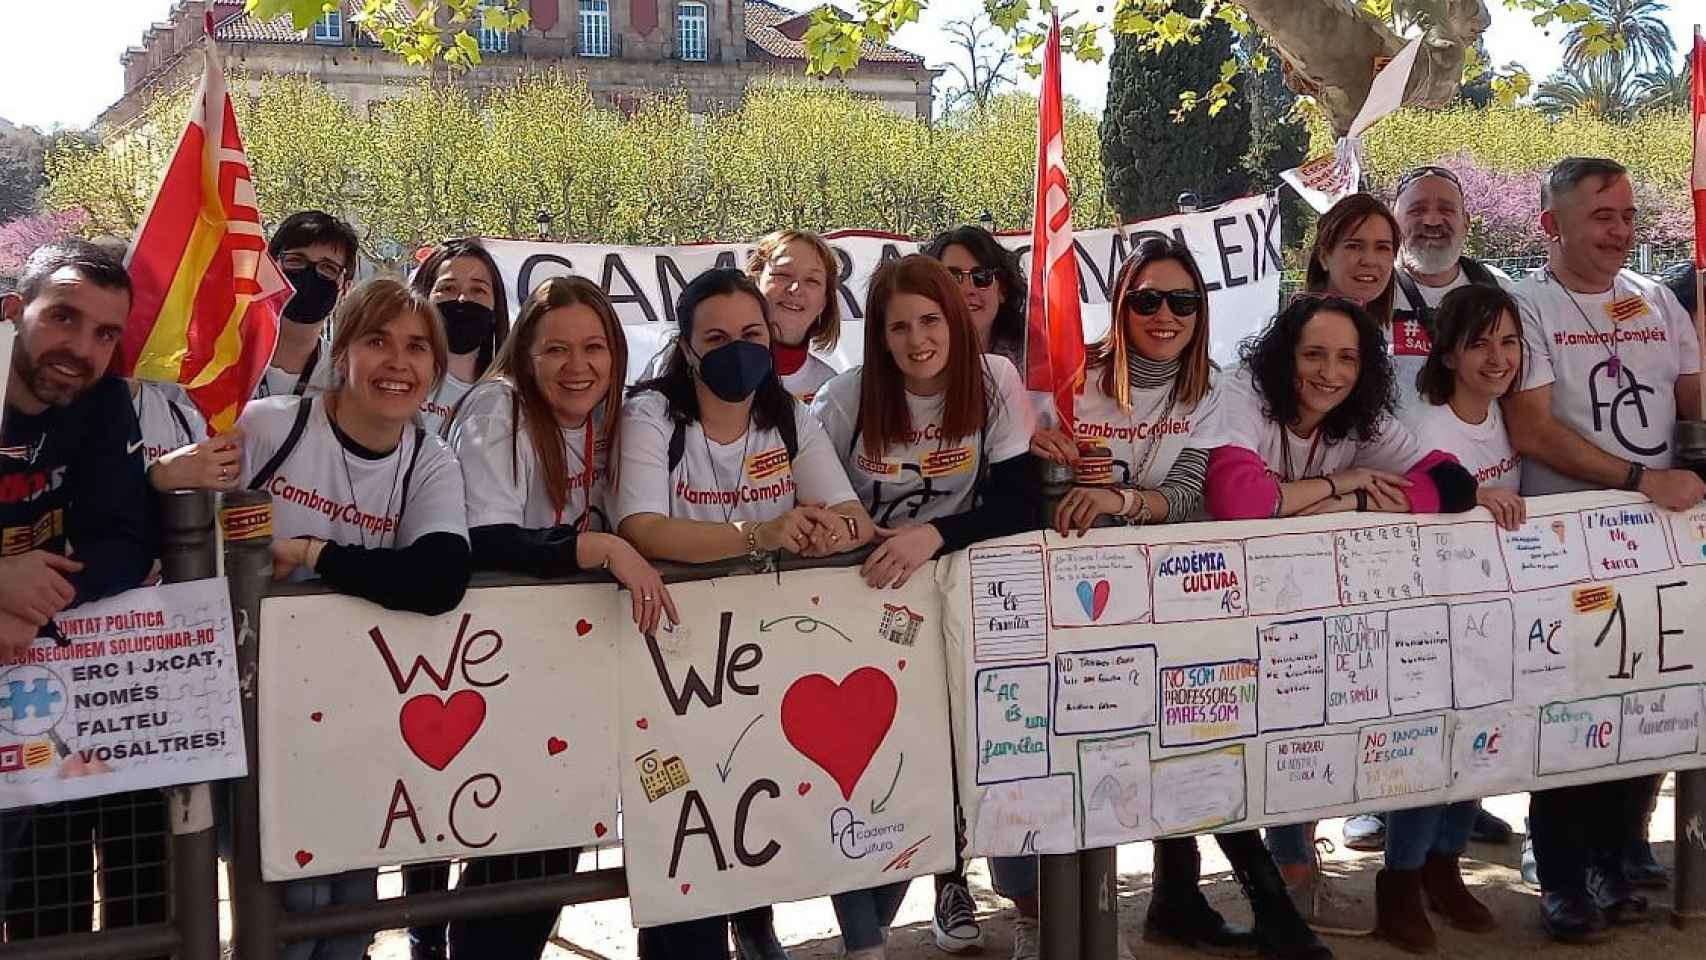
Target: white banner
pixel 1237 246
pixel 1152 680
pixel 143 693
pixel 391 737
pixel 788 740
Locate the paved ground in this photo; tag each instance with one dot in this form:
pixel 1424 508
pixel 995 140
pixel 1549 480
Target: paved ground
pixel 601 931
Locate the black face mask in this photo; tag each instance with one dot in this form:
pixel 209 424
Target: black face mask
pixel 315 296
pixel 735 370
pixel 468 325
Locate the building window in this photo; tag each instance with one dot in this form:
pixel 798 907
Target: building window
pixel 595 28
pixel 693 29
pixel 329 28
pixel 493 41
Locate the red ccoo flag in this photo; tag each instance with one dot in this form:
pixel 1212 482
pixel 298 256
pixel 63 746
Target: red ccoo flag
pixel 208 296
pixel 1054 344
pixel 1699 181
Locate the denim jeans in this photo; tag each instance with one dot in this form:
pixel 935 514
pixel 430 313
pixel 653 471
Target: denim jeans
pixel 865 915
pixel 1014 877
pixel 1292 844
pixel 1413 834
pixel 354 886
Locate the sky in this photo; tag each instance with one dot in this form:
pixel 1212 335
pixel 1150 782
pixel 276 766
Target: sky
pixel 59 60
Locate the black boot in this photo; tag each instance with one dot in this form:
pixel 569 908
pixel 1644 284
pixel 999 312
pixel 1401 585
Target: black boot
pixel 1178 912
pixel 1280 931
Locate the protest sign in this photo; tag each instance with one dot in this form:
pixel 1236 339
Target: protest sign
pixel 788 739
pixel 1236 244
pixel 1272 671
pixel 390 737
pixel 143 693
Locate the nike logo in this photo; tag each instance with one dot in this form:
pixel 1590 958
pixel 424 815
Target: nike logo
pixel 132 447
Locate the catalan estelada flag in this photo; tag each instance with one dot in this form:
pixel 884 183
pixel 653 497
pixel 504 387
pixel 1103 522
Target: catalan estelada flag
pixel 208 297
pixel 1054 341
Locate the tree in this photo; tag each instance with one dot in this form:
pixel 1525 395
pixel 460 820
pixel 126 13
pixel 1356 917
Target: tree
pixel 1600 88
pixel 1152 150
pixel 1629 31
pixel 988 66
pixel 1279 139
pixel 1664 87
pixel 21 170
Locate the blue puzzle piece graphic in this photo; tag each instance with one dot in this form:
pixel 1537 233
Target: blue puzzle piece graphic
pixel 38 698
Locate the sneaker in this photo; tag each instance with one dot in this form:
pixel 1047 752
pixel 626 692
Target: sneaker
pixel 1530 869
pixel 1643 869
pixel 1366 832
pixel 1024 938
pixel 955 921
pixel 1324 907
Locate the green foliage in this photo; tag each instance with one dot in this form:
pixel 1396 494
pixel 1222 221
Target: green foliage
pixel 419 31
pixel 436 162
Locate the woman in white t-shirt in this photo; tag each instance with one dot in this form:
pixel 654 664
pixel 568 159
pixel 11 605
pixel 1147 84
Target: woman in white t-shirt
pixel 797 273
pixel 463 281
pixel 934 436
pixel 363 498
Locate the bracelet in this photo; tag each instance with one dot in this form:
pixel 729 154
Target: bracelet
pixel 1331 485
pixel 749 530
pixel 1143 514
pixel 1362 501
pixel 1637 470
pixel 852 527
pixel 1127 499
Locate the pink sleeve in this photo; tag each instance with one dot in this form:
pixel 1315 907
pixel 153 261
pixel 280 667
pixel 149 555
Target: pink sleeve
pixel 1239 486
pixel 1424 493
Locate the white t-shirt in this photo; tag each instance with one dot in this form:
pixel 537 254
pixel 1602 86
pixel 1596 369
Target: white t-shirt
pixel 501 474
pixel 438 405
pixel 310 380
pixel 1483 448
pixel 927 476
pixel 1146 441
pixel 1408 341
pixel 323 490
pixel 1575 346
pixel 168 419
pixel 1290 457
pixel 749 479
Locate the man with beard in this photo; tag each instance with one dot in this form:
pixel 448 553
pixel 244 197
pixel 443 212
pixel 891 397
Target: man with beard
pixel 317 253
pixel 72 485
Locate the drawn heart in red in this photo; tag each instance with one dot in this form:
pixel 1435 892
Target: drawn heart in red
pixel 556 745
pixel 437 730
pixel 304 858
pixel 582 628
pixel 840 726
pixel 901 665
pixel 805 787
pixel 641 723
pixel 686 887
pixel 599 829
pixel 316 716
pixel 815 600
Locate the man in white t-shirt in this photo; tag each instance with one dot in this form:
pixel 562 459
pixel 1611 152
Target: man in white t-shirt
pixel 317 253
pixel 1610 361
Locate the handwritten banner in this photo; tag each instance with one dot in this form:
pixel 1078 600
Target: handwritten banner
pixel 1317 667
pixel 142 694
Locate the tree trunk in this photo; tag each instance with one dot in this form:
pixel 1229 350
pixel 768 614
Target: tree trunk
pixel 1330 48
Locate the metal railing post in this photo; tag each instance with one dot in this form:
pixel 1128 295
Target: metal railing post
pixel 1098 903
pixel 1688 904
pixel 190 551
pixel 1058 909
pixel 246 519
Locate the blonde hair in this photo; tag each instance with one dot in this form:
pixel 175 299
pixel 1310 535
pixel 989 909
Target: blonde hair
pixel 372 305
pixel 825 331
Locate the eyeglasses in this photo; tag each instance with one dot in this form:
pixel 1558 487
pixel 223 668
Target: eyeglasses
pixel 981 278
pixel 1417 173
pixel 330 269
pixel 1147 302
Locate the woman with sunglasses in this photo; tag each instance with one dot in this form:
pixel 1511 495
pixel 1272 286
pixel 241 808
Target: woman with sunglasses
pixel 1308 429
pixel 993 285
pixel 1150 414
pixel 934 436
pixel 463 281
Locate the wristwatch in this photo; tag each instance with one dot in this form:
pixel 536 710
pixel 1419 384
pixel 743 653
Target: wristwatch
pixel 1637 470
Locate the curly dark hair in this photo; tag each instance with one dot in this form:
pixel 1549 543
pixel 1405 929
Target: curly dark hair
pixel 1007 332
pixel 1271 357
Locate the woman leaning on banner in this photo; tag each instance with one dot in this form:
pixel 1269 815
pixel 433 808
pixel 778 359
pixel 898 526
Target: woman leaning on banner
pixel 1475 358
pixel 934 436
pixel 400 539
pixel 463 281
pixel 1148 417
pixel 707 452
pixel 1308 429
pixel 797 272
pixel 536 439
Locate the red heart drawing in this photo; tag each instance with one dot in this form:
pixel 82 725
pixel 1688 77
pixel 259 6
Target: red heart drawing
pixel 901 665
pixel 641 723
pixel 1099 600
pixel 303 858
pixel 599 829
pixel 840 726
pixel 814 601
pixel 686 887
pixel 556 745
pixel 437 730
pixel 316 716
pixel 582 627
pixel 805 787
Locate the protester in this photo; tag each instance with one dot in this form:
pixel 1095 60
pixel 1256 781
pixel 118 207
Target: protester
pixel 934 436
pixel 994 287
pixel 400 537
pixel 463 281
pixel 797 273
pixel 317 253
pixel 718 461
pixel 1149 414
pixel 72 484
pixel 1474 361
pixel 175 445
pixel 1612 362
pixel 1309 430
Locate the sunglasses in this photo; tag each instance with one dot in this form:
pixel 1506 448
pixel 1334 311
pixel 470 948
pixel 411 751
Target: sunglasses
pixel 1411 176
pixel 981 278
pixel 1147 302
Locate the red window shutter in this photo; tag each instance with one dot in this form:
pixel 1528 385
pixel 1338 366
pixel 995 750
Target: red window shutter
pixel 544 13
pixel 643 14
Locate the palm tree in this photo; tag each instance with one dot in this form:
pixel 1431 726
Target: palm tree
pixel 1647 40
pixel 1666 86
pixel 1600 88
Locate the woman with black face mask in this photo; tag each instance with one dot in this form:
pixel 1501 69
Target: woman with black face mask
pixel 463 281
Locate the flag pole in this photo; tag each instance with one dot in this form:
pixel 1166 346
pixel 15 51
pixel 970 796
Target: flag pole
pixel 1697 121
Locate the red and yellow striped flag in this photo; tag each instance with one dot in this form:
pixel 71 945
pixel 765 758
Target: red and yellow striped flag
pixel 208 296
